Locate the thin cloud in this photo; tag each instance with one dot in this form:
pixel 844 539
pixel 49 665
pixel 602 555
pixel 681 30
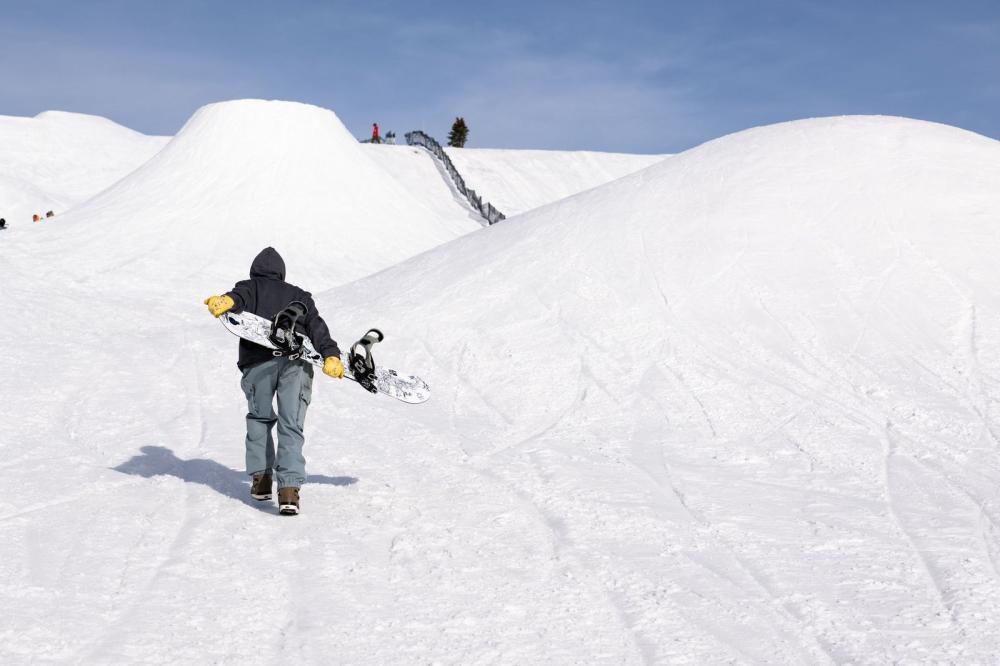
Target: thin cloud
pixel 110 80
pixel 655 77
pixel 574 103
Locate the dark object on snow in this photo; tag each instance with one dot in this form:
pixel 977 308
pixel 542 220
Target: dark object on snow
pixel 50 214
pixel 288 501
pixel 3 223
pixel 485 208
pixel 287 330
pixel 390 138
pixel 260 487
pixel 459 133
pixel 362 363
pixel 266 294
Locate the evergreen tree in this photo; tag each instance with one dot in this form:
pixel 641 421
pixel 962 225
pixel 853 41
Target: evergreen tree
pixel 459 133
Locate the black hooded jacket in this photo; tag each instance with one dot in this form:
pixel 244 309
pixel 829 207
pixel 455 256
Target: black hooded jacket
pixel 266 294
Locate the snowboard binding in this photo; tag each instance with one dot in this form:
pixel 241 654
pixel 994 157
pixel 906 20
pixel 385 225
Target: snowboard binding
pixel 284 336
pixel 361 363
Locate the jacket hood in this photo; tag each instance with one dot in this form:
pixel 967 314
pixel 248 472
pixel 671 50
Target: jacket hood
pixel 268 264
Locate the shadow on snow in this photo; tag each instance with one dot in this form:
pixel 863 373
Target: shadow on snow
pixel 161 461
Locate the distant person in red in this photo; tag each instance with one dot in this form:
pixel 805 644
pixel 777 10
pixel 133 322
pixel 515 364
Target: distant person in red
pixel 375 137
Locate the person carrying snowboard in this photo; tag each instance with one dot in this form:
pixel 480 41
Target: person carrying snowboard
pixel 375 137
pixel 264 376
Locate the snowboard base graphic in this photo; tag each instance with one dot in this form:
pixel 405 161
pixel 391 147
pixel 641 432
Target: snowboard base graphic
pixel 407 388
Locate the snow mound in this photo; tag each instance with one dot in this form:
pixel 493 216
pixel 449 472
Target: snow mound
pixel 750 393
pixel 245 174
pixel 738 407
pixel 518 180
pixel 57 159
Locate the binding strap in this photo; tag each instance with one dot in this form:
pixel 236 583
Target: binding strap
pixel 361 361
pixel 284 334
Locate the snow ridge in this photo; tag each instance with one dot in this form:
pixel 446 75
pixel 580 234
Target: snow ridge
pixel 735 407
pixel 57 160
pixel 239 172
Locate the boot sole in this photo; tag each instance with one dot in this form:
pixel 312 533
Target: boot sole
pixel 288 510
pixel 259 496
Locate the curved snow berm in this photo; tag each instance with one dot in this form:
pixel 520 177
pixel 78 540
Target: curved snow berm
pixel 57 159
pixel 740 406
pixel 245 174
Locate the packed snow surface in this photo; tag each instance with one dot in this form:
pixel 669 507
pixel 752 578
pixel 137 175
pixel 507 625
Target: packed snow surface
pixel 424 177
pixel 738 407
pixel 57 160
pixel 516 181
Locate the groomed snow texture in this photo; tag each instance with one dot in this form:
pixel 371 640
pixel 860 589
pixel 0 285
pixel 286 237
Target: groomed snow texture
pixel 737 407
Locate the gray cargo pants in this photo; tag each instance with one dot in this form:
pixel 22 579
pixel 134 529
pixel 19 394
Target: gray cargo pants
pixel 292 382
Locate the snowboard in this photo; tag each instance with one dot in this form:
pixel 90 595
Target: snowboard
pixel 407 388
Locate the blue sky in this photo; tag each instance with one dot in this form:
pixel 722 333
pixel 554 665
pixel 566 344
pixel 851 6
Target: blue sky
pixel 626 76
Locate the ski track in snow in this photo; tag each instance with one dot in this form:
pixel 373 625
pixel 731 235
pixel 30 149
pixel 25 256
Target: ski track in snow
pixel 736 408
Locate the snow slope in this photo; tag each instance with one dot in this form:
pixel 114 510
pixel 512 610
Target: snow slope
pixel 242 175
pixel 735 408
pixel 424 177
pixel 57 159
pixel 744 412
pixel 518 180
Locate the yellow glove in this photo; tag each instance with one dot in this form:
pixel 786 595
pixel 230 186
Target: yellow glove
pixel 218 305
pixel 333 367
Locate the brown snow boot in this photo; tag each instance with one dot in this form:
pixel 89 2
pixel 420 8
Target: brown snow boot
pixel 288 501
pixel 260 489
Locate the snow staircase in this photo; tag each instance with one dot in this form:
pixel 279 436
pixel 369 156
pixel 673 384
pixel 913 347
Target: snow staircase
pixel 485 208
